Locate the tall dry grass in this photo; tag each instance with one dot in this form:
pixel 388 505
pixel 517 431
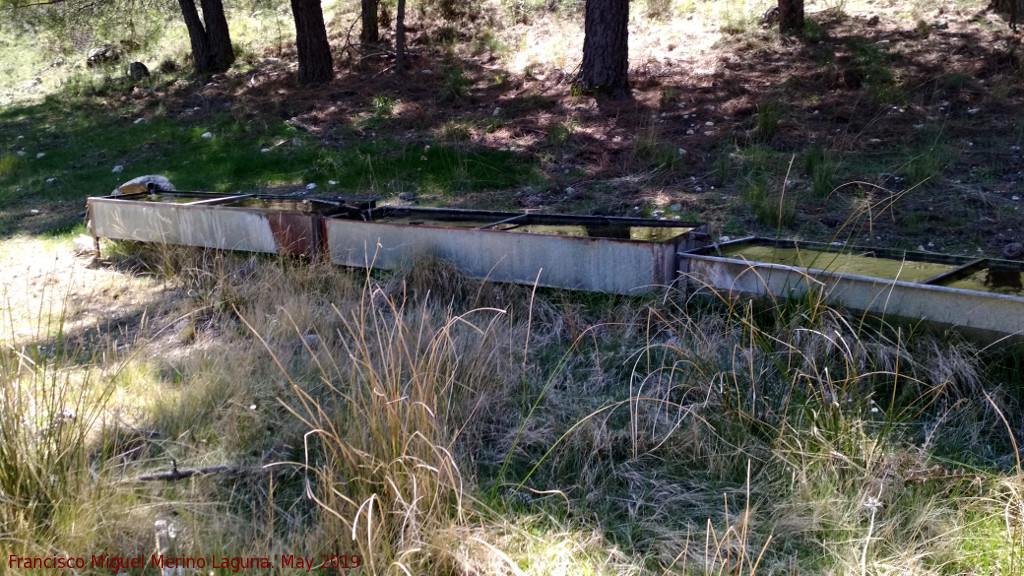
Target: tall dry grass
pixel 430 424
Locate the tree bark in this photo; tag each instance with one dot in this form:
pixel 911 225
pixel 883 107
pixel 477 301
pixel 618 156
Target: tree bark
pixel 315 62
pixel 222 54
pixel 201 56
pixel 370 34
pixel 400 39
pixel 606 48
pixel 791 16
pixel 210 41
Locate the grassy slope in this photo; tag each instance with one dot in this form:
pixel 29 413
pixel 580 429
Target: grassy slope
pixel 461 428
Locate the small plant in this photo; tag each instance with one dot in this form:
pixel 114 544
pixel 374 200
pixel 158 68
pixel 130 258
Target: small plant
pixel 648 148
pixel 872 63
pixel 488 43
pixel 561 132
pixel 769 113
pixel 721 168
pixel 456 131
pixel 779 212
pixel 659 9
pixel 735 18
pixel 821 169
pixel 755 189
pixel 456 84
pixel 925 165
pixel 10 164
pixel 383 106
pixel 669 95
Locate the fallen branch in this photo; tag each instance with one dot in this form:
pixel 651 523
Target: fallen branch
pixel 176 474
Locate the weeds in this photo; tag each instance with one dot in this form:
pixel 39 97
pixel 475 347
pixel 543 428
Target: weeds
pixel 456 84
pixel 821 169
pixel 769 113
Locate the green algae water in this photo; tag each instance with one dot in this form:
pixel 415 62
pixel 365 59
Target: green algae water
pixel 839 262
pixel 167 199
pixel 992 280
pixel 634 233
pixel 418 220
pixel 274 204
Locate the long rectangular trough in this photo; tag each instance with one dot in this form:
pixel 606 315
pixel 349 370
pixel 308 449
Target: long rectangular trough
pixel 593 253
pixel 605 254
pixel 982 295
pixel 245 222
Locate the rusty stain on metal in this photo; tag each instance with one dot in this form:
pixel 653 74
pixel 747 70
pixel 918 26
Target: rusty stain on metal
pixel 243 222
pixel 295 234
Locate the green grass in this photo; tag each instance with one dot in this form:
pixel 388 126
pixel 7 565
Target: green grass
pixel 80 144
pixel 821 169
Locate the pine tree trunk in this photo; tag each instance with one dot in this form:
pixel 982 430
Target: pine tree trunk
pixel 315 62
pixel 202 55
pixel 400 39
pixel 791 16
pixel 222 54
pixel 606 48
pixel 370 33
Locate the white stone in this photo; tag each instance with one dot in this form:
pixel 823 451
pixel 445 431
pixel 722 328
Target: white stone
pixel 974 110
pixel 40 155
pixel 139 121
pixel 207 135
pixel 118 169
pixel 332 182
pixel 311 186
pixel 152 181
pixel 83 244
pixel 51 181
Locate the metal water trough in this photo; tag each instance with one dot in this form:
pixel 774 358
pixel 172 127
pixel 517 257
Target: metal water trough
pixel 983 295
pixel 594 253
pixel 246 222
pixel 606 254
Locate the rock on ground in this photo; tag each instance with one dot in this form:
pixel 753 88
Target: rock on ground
pixel 150 182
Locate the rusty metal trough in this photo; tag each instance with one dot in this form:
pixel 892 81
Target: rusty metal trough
pixel 982 295
pixel 268 224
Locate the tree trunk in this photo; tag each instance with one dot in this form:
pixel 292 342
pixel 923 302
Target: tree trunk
pixel 370 33
pixel 315 63
pixel 606 48
pixel 211 41
pixel 400 39
pixel 223 54
pixel 791 16
pixel 202 56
